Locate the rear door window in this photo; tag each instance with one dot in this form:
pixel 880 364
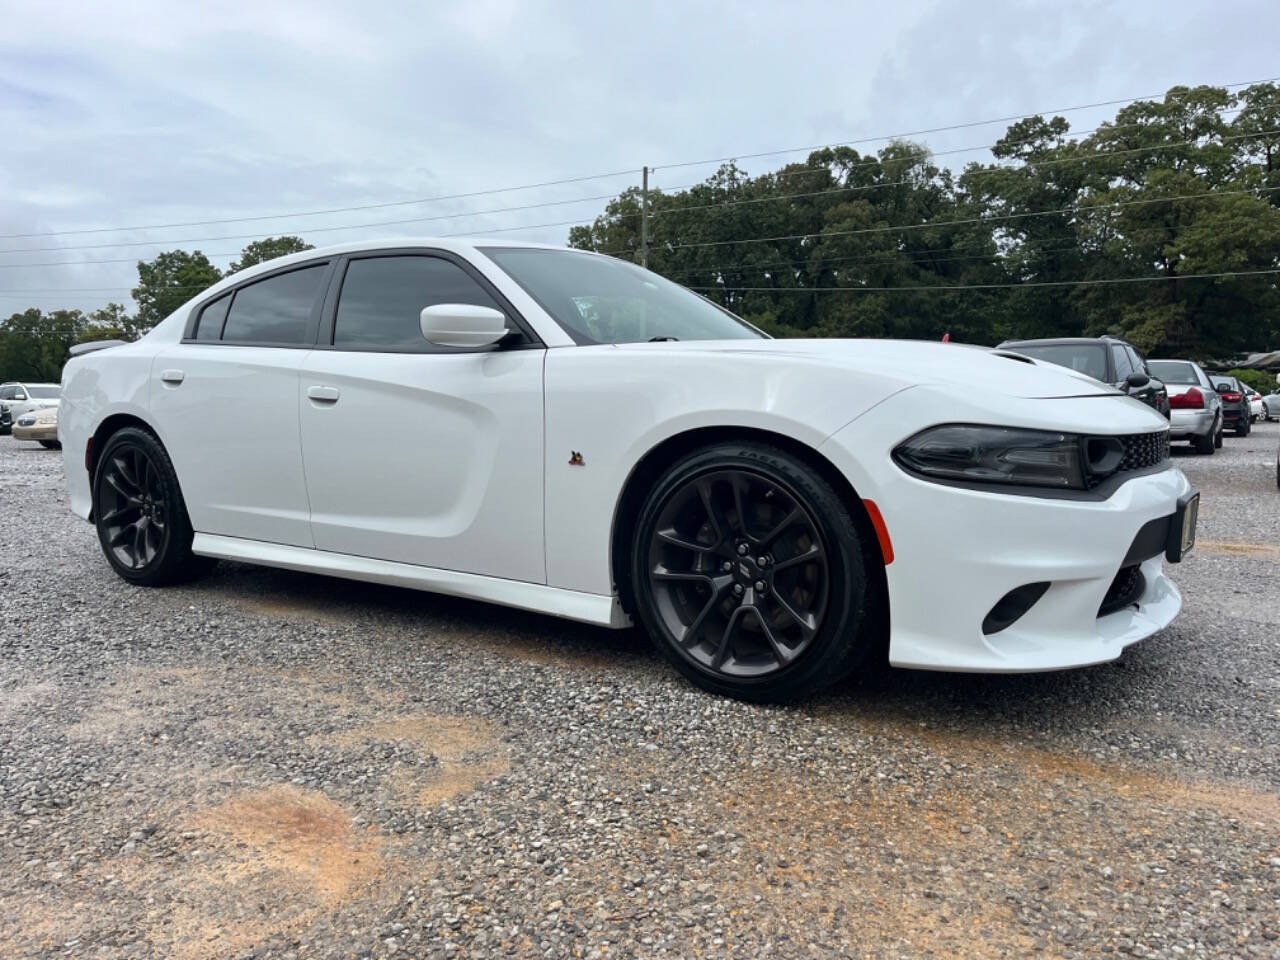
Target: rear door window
pixel 382 299
pixel 277 311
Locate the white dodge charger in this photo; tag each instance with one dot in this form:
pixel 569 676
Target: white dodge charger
pixel 568 433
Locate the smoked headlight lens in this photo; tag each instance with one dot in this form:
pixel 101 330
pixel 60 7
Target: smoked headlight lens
pixel 977 454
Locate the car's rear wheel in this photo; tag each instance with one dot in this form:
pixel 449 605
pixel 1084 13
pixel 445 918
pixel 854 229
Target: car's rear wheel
pixel 1208 443
pixel 139 512
pixel 1242 430
pixel 747 571
pixel 1217 437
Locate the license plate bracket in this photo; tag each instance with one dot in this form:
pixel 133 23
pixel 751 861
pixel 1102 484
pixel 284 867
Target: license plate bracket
pixel 1182 528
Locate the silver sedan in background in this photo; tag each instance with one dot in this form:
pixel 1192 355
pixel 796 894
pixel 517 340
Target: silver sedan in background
pixel 1195 409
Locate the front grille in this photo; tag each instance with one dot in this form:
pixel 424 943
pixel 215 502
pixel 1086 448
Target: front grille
pixel 1125 589
pixel 1138 451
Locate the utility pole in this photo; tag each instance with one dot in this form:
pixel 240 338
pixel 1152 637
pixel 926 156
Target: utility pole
pixel 644 219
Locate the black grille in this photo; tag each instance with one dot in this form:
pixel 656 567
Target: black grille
pixel 1139 451
pixel 1125 589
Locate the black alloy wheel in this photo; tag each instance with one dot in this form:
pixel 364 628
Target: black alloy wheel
pixel 139 512
pixel 747 571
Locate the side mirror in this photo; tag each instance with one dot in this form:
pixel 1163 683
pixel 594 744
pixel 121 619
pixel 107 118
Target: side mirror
pixel 462 325
pixel 1137 379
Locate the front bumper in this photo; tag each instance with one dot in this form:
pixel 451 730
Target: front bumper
pixel 41 431
pixel 1190 423
pixel 958 551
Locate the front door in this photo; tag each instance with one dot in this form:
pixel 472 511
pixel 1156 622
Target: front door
pixel 415 453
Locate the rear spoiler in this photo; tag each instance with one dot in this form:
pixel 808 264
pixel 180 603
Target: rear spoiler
pixel 92 345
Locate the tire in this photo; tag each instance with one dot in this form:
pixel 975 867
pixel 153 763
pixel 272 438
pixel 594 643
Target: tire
pixel 1206 444
pixel 769 611
pixel 139 512
pixel 1244 428
pixel 1217 438
pixel 51 444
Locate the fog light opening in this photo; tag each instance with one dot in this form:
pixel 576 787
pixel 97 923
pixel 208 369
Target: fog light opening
pixel 1010 608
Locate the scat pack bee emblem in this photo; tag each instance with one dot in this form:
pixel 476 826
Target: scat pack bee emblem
pixel 575 459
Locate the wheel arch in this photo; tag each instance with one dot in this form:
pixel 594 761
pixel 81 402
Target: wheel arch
pixel 664 454
pixel 109 426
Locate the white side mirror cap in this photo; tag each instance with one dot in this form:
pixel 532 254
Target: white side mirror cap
pixel 462 325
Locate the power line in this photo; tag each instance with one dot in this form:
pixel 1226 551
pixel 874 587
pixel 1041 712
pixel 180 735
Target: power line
pixel 1076 208
pixel 316 213
pixel 954 126
pixel 588 177
pixel 986 286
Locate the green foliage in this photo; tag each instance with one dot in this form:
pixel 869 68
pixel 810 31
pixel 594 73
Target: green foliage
pixel 34 344
pixel 879 230
pixel 169 281
pixel 1260 380
pixel 262 250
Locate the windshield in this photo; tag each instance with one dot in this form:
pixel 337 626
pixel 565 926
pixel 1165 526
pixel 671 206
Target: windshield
pixel 1087 358
pixel 1173 371
pixel 602 300
pixel 44 393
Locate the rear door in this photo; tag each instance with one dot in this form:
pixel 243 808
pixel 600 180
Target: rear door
pixel 226 403
pixel 416 453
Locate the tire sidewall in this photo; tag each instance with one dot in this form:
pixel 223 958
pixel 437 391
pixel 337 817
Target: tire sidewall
pixel 831 652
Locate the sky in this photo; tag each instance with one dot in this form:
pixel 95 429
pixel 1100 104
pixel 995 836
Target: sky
pixel 130 115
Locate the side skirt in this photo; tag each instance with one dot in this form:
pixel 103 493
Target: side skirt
pixel 604 611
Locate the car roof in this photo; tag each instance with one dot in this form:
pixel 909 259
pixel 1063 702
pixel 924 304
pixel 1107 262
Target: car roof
pixel 1061 341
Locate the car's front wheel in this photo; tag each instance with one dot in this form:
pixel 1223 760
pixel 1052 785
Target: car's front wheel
pixel 747 571
pixel 139 512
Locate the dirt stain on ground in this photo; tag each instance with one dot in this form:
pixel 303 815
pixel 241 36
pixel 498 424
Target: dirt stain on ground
pixel 1239 549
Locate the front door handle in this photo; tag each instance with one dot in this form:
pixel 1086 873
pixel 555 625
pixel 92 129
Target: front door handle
pixel 172 376
pixel 323 394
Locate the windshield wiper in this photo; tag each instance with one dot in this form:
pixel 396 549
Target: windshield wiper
pixel 662 339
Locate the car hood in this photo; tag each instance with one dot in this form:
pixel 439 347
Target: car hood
pixel 912 361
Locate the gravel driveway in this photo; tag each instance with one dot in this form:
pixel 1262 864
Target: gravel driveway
pixel 269 764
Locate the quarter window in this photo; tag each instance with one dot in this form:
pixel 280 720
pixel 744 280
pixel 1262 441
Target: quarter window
pixel 212 318
pixel 382 298
pixel 276 310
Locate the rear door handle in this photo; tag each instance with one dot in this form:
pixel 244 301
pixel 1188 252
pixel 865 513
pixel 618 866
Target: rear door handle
pixel 323 394
pixel 173 376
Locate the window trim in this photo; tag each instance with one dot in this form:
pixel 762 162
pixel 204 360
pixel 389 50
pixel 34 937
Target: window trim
pixel 308 341
pixel 328 321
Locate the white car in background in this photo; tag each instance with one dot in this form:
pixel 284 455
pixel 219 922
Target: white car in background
pixel 1257 410
pixel 19 398
pixel 565 432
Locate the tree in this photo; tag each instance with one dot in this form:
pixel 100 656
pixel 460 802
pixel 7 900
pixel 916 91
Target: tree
pixel 112 322
pixel 262 250
pixel 169 281
pixel 34 344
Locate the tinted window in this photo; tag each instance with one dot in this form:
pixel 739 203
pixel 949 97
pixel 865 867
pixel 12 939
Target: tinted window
pixel 1174 371
pixel 275 310
pixel 602 300
pixel 382 298
pixel 45 393
pixel 1220 381
pixel 211 318
pixel 1121 358
pixel 6 393
pixel 1139 365
pixel 1086 358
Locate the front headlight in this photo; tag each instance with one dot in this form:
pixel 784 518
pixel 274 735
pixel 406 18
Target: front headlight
pixel 979 454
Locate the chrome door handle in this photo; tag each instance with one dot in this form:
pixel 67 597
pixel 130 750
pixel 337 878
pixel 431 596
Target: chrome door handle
pixel 323 394
pixel 173 376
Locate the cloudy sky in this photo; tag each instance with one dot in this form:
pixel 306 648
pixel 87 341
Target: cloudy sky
pixel 135 114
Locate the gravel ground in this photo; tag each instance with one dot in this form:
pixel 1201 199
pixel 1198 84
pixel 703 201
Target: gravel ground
pixel 268 764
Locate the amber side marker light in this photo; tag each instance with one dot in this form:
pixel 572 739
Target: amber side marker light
pixel 882 532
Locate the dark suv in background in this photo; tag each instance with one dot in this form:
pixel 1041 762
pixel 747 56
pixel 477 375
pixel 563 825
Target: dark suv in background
pixel 1235 403
pixel 1109 359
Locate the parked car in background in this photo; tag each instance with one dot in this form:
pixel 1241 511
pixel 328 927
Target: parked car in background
pixel 39 425
pixel 1235 405
pixel 6 420
pixel 1256 410
pixel 1271 405
pixel 498 421
pixel 1109 359
pixel 22 398
pixel 1196 409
